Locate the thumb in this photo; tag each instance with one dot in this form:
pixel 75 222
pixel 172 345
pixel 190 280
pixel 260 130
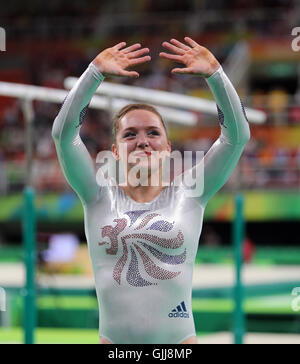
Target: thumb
pixel 181 70
pixel 130 74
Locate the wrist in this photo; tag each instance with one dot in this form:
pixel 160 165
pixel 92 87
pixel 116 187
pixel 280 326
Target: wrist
pixel 99 75
pixel 216 67
pixel 98 66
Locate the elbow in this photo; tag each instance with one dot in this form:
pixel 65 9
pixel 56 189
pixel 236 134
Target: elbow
pixel 248 134
pixel 245 135
pixel 58 124
pixel 55 131
pixel 242 138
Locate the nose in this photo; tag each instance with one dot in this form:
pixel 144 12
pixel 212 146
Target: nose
pixel 142 141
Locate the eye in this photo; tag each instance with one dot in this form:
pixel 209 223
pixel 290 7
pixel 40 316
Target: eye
pixel 154 132
pixel 129 134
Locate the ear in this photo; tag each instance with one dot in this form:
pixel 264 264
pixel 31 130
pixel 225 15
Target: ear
pixel 169 147
pixel 115 152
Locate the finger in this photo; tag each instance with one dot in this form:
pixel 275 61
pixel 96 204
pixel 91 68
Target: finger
pixel 131 48
pixel 129 74
pixel 170 56
pixel 181 70
pixel 180 45
pixel 119 45
pixel 139 60
pixel 191 42
pixel 138 53
pixel 173 48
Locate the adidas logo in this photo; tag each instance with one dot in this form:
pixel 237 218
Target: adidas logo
pixel 179 311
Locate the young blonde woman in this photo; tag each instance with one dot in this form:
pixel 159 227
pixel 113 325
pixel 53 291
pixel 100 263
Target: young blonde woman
pixel 143 238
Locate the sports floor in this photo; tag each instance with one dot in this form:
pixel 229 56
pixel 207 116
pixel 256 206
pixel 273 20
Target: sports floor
pixel 75 336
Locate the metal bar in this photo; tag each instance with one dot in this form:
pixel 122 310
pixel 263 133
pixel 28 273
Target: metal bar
pixel 164 98
pixel 238 239
pixel 29 229
pixel 47 94
pixel 29 292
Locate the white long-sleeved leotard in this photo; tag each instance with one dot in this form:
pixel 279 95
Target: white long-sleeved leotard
pixel 143 253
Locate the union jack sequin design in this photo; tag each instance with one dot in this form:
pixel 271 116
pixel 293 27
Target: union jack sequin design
pixel 142 239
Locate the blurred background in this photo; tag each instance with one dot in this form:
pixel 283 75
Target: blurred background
pixel 49 41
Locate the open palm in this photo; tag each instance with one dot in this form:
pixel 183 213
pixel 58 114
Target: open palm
pixel 197 59
pixel 114 61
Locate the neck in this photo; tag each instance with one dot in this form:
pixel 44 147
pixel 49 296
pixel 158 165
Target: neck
pixel 146 188
pixel 142 193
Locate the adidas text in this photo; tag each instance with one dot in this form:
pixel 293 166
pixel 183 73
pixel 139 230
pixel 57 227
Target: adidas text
pixel 179 314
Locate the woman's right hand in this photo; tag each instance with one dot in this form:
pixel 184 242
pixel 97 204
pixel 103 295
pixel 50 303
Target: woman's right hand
pixel 114 61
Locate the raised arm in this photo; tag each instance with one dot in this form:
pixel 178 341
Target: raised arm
pixel 73 156
pixel 224 154
pixel 221 159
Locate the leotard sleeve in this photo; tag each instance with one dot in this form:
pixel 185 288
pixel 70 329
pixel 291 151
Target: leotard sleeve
pixel 223 156
pixel 74 158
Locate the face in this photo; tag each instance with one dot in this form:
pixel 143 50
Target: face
pixel 141 134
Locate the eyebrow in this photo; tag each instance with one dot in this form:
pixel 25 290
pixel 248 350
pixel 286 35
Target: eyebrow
pixel 134 129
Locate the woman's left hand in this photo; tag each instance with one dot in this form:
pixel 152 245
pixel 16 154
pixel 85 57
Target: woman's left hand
pixel 197 59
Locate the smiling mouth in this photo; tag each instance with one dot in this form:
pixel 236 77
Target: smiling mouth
pixel 148 154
